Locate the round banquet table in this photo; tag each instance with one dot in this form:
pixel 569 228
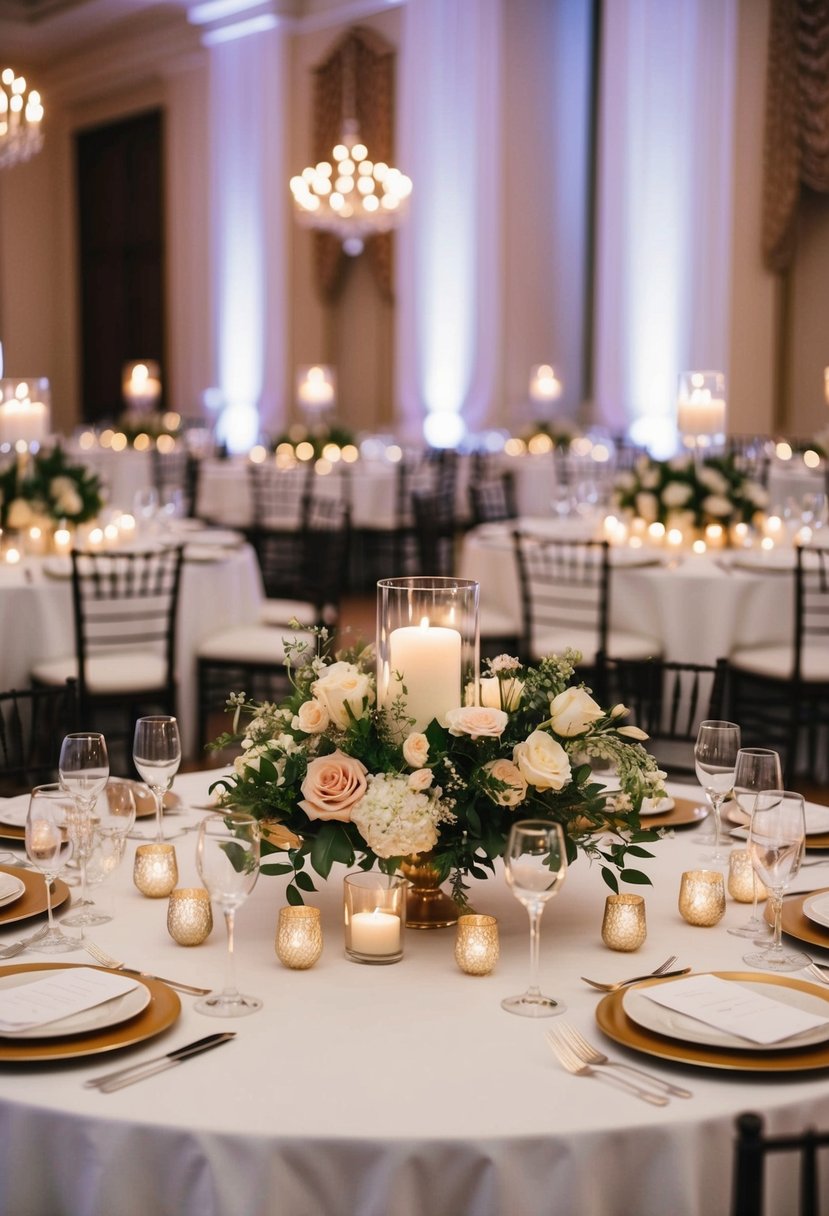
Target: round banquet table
pixel 390 1091
pixel 219 587
pixel 700 606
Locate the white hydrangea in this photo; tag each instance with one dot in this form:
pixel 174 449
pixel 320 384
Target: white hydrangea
pixel 395 820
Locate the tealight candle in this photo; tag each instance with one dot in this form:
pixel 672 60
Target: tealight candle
pixel 374 911
pixel 189 916
pixel 476 944
pixel 699 546
pixel 702 897
pixel 742 878
pixel 62 539
pixel 299 937
pixel 623 925
pixel 12 556
pixel 714 536
pixel 674 537
pixel 155 872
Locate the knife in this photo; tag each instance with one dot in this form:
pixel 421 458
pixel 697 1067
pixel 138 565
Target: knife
pixel 111 1081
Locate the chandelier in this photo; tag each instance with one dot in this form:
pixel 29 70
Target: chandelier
pixel 350 195
pixel 21 113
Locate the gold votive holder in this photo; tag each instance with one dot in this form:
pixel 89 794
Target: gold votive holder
pixel 476 944
pixel 742 878
pixel 623 924
pixel 189 916
pixel 702 897
pixel 155 872
pixel 298 937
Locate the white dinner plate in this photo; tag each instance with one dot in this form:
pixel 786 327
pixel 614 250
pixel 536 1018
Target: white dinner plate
pixel 656 806
pixel 661 1020
pixel 204 553
pixel 11 888
pixel 632 559
pixel 13 811
pixel 110 1013
pixel 817 818
pixel 215 538
pixel 816 907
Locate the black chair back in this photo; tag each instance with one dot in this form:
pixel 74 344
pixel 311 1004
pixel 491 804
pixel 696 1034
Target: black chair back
pixel 493 500
pixel 174 471
pixel 32 723
pixel 751 1149
pixel 279 495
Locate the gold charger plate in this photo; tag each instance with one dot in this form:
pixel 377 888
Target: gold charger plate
pixel 795 922
pixel 683 814
pixel 163 1009
pixel 33 900
pixel 615 1023
pixel 145 802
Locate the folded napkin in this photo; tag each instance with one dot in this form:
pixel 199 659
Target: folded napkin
pixel 734 1008
pixel 60 994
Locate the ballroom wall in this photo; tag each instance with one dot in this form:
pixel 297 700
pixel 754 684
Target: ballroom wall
pixel 542 266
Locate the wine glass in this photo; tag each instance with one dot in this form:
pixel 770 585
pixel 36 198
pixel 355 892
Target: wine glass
pixel 49 846
pixel 715 757
pixel 227 857
pixel 84 771
pixel 156 754
pixel 778 832
pixel 536 863
pixel 757 768
pixel 112 820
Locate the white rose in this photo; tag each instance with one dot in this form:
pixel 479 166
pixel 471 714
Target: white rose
pixel 679 463
pixel 713 480
pixel 647 507
pixel 312 718
pixel 542 761
pixel 477 721
pixel 340 688
pixel 715 504
pixel 650 479
pixel 19 514
pixel 632 732
pixel 625 481
pixel 573 712
pixel 420 780
pixel 508 772
pixel 676 493
pixel 756 494
pixel 416 749
pixel 500 694
pixel 69 502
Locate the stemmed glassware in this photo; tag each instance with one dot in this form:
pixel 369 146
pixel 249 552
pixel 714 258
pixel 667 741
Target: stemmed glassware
pixel 778 832
pixel 84 771
pixel 757 768
pixel 156 754
pixel 227 857
pixel 113 819
pixel 535 863
pixel 49 846
pixel 715 758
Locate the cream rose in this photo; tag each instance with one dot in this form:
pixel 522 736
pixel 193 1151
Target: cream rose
pixel 476 720
pixel 573 712
pixel 516 787
pixel 542 761
pixel 312 718
pixel 20 514
pixel 332 786
pixel 420 780
pixel 341 687
pixel 632 732
pixel 416 749
pixel 501 694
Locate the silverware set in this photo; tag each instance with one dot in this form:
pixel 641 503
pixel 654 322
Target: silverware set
pixel 580 1058
pixel 663 971
pixel 114 964
pixel 111 1081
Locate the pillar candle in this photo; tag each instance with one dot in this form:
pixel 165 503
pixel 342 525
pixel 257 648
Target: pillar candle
pixel 427 659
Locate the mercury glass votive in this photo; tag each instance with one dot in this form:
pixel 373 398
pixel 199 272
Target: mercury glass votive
pixel 702 897
pixel 476 944
pixel 742 878
pixel 298 937
pixel 189 916
pixel 155 872
pixel 623 925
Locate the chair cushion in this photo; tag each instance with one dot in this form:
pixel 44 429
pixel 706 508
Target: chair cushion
pixel 777 662
pixel 254 644
pixel 620 645
pixel 280 612
pixel 118 671
pixel 497 624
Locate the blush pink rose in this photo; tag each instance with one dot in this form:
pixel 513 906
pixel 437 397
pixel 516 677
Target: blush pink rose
pixel 332 786
pixel 478 721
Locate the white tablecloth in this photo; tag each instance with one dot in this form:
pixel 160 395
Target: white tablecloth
pixel 699 606
pixel 389 1091
pixel 36 621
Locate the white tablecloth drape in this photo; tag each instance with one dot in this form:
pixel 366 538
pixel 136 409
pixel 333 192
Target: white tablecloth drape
pixel 390 1091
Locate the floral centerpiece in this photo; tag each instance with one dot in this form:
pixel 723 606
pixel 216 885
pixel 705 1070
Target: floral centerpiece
pixel 45 489
pixel 683 493
pixel 319 435
pixel 338 780
pixel 153 424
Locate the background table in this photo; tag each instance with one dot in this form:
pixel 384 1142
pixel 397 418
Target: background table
pixel 390 1091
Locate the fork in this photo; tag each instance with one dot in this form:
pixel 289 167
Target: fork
pixel 19 947
pixel 113 964
pixel 662 969
pixel 591 1055
pixel 819 972
pixel 572 1064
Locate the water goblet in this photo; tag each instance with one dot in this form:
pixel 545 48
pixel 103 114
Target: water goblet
pixel 778 833
pixel 112 820
pixel 84 771
pixel 535 862
pixel 49 846
pixel 715 757
pixel 227 858
pixel 757 768
pixel 156 754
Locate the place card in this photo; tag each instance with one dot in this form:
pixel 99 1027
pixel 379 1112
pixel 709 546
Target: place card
pixel 60 994
pixel 733 1008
